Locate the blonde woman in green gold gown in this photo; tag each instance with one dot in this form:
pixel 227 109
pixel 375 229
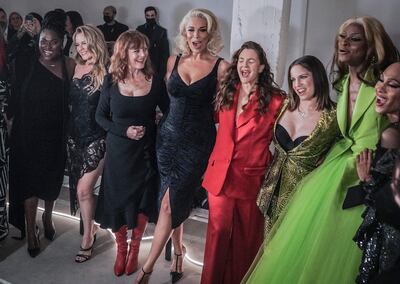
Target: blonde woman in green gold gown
pixel 312 241
pixel 303 133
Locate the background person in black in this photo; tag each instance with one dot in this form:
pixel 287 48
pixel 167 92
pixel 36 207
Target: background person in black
pixel 159 47
pixel 111 29
pixel 74 20
pixel 25 41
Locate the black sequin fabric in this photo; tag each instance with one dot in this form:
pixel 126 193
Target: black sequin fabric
pixel 379 241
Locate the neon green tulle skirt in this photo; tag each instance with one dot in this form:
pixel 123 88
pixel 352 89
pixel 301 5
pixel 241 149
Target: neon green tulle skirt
pixel 312 240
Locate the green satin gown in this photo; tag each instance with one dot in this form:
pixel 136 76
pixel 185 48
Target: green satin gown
pixel 312 240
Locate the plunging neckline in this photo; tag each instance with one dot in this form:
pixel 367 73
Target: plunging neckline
pixel 290 138
pixel 195 82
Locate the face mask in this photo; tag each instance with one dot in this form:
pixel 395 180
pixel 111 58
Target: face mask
pixel 107 19
pixel 151 22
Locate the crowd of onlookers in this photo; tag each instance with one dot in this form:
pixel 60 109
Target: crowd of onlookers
pixel 109 102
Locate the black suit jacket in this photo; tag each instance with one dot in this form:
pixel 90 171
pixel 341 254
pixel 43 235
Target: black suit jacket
pixel 159 47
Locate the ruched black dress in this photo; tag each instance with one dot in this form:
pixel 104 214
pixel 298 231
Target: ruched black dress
pixel 129 181
pixel 185 140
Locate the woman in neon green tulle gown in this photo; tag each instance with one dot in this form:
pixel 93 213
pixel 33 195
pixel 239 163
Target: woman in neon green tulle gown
pixel 312 240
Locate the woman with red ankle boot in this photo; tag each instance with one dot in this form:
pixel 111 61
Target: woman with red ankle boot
pixel 127 111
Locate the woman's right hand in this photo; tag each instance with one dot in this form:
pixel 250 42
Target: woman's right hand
pixel 135 132
pixel 364 162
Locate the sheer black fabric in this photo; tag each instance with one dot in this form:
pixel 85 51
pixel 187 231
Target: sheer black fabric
pixel 86 141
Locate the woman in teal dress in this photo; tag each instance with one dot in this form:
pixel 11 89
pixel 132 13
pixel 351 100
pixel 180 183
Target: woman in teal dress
pixel 312 240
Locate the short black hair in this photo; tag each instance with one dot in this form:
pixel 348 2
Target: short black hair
pixel 55 21
pixel 36 16
pixel 75 18
pixel 150 8
pixel 112 8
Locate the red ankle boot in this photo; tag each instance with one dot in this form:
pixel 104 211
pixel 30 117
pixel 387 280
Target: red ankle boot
pixel 122 249
pixel 137 233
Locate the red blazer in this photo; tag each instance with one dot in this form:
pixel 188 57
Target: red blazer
pixel 241 153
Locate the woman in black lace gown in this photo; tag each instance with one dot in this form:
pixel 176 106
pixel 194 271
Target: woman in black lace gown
pixel 86 139
pixel 187 133
pixel 126 110
pixel 379 240
pixel 39 108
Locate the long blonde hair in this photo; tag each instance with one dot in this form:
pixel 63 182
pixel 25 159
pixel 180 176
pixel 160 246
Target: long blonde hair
pixel 97 46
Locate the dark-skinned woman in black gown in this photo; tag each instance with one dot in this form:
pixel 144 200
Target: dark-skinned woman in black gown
pixel 39 108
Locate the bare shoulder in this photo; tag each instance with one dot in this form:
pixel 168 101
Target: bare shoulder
pixel 391 138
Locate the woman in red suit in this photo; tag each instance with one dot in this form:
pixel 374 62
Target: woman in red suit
pixel 247 104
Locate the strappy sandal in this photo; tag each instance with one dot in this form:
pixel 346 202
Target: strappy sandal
pixel 175 275
pixel 80 257
pixel 145 274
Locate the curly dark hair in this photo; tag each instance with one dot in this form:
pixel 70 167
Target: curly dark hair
pixel 265 83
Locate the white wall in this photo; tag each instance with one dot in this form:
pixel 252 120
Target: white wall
pixel 131 12
pixel 313 24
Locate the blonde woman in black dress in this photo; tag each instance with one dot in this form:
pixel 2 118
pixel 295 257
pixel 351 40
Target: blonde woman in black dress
pixel 86 139
pixel 187 133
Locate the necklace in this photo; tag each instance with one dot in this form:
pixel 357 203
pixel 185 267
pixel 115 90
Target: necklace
pixel 301 113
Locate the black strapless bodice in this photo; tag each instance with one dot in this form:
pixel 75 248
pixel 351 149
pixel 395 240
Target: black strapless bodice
pixel 284 139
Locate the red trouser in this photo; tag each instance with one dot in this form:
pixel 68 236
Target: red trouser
pixel 235 233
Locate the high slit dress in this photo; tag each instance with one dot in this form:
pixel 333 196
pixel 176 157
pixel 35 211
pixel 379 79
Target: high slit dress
pixel 185 140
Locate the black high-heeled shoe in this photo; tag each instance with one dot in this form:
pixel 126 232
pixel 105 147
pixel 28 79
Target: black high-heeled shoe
pixel 176 275
pixel 145 274
pixel 49 233
pixel 33 252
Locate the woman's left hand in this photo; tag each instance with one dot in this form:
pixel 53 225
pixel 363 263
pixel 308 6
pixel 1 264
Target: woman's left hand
pixel 135 132
pixel 364 162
